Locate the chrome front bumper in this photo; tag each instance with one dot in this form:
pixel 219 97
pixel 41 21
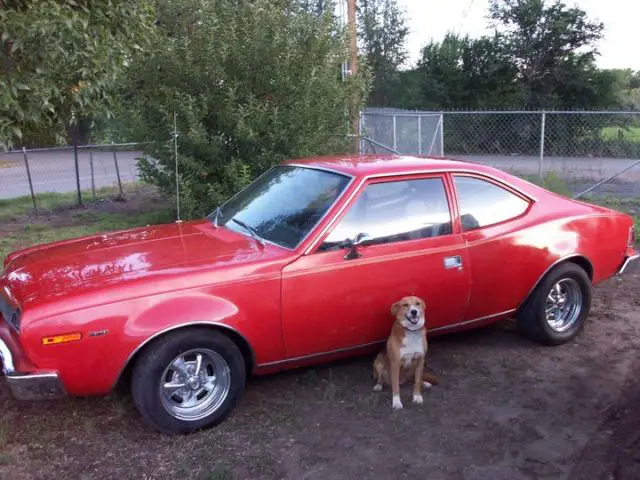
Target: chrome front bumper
pixel 29 386
pixel 630 265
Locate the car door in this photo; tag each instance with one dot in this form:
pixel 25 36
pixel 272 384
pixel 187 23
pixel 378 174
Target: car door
pixel 332 300
pixel 490 217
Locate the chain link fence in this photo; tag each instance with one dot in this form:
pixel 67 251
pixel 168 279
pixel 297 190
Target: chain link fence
pixel 597 153
pixel 411 133
pixel 584 149
pixel 55 177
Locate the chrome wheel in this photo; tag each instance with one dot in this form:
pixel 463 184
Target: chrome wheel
pixel 195 384
pixel 563 304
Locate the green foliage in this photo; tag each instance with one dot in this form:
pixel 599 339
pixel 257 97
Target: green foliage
pixel 553 47
pixel 541 56
pixel 461 72
pixel 382 33
pixel 317 7
pixel 60 59
pixel 251 84
pixel 627 84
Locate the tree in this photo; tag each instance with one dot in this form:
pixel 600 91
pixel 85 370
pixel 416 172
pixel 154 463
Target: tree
pixel 317 7
pixel 553 48
pixel 461 72
pixel 627 84
pixel 382 32
pixel 60 59
pixel 251 84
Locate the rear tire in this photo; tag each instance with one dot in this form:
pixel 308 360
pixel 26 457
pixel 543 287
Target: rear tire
pixel 556 311
pixel 188 380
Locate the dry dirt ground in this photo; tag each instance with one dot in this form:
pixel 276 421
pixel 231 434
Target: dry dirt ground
pixel 506 409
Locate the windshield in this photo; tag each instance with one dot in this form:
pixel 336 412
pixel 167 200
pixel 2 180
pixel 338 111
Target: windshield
pixel 283 205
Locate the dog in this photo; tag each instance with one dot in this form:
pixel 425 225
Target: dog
pixel 404 355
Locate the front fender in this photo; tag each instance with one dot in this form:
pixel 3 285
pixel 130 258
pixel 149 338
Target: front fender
pixel 112 334
pixel 175 312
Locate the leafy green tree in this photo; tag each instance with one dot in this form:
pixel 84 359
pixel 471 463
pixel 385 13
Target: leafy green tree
pixel 461 72
pixel 541 56
pixel 627 84
pixel 60 58
pixel 251 84
pixel 317 7
pixel 553 48
pixel 382 33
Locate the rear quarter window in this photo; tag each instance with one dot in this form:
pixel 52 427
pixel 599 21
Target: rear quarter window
pixel 483 203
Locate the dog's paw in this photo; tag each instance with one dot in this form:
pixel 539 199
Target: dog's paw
pixel 396 404
pixel 417 398
pixel 426 385
pixel 377 387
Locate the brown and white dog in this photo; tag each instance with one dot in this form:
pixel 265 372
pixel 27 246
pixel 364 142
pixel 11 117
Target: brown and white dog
pixel 404 355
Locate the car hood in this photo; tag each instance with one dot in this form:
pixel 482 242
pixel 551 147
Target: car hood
pixel 68 266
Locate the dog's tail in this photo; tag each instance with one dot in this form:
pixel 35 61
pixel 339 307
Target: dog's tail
pixel 432 379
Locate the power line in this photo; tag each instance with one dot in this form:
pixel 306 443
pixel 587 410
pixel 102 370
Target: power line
pixel 465 14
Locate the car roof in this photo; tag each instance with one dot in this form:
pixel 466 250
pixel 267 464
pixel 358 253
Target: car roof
pixel 375 164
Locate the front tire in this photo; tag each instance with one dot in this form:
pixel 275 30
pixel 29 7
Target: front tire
pixel 188 380
pixel 557 310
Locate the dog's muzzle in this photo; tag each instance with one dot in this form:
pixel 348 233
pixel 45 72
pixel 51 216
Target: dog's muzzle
pixel 412 319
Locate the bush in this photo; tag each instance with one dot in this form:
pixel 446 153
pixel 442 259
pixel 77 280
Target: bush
pixel 252 83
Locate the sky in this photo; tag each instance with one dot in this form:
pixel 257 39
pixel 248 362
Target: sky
pixel 619 48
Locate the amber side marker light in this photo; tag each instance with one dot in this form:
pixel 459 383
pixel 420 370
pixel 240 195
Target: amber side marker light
pixel 69 337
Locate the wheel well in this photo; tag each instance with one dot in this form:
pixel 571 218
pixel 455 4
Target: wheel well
pixel 122 384
pixel 579 260
pixel 583 263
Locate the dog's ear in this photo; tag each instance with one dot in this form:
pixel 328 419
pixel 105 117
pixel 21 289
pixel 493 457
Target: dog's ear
pixel 424 305
pixel 394 308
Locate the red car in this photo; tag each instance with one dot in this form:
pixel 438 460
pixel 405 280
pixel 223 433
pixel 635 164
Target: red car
pixel 298 268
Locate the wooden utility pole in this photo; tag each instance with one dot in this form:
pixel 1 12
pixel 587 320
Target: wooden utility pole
pixel 354 114
pixel 353 36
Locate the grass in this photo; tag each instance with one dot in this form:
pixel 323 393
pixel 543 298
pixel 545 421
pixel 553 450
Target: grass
pixel 627 205
pixel 628 134
pixel 551 181
pixel 52 201
pixel 220 472
pixel 19 229
pixel 89 223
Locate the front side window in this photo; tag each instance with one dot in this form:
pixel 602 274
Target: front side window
pixel 483 203
pixel 283 205
pixel 395 211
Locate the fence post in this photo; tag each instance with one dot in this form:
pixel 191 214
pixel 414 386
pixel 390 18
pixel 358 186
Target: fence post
pixel 394 134
pixel 542 132
pixel 175 146
pixel 75 156
pixel 115 160
pixel 93 178
pixel 26 164
pixel 360 130
pixel 442 134
pixel 419 134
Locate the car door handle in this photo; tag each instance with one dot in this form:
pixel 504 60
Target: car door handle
pixel 453 262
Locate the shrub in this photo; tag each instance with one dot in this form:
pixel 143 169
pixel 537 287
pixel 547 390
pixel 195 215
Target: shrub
pixel 251 83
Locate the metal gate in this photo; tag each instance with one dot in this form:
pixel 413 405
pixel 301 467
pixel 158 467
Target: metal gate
pixel 401 131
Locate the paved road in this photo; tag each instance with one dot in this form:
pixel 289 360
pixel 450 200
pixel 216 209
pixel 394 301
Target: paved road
pixel 53 171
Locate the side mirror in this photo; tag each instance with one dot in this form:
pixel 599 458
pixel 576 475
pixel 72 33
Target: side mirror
pixel 352 244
